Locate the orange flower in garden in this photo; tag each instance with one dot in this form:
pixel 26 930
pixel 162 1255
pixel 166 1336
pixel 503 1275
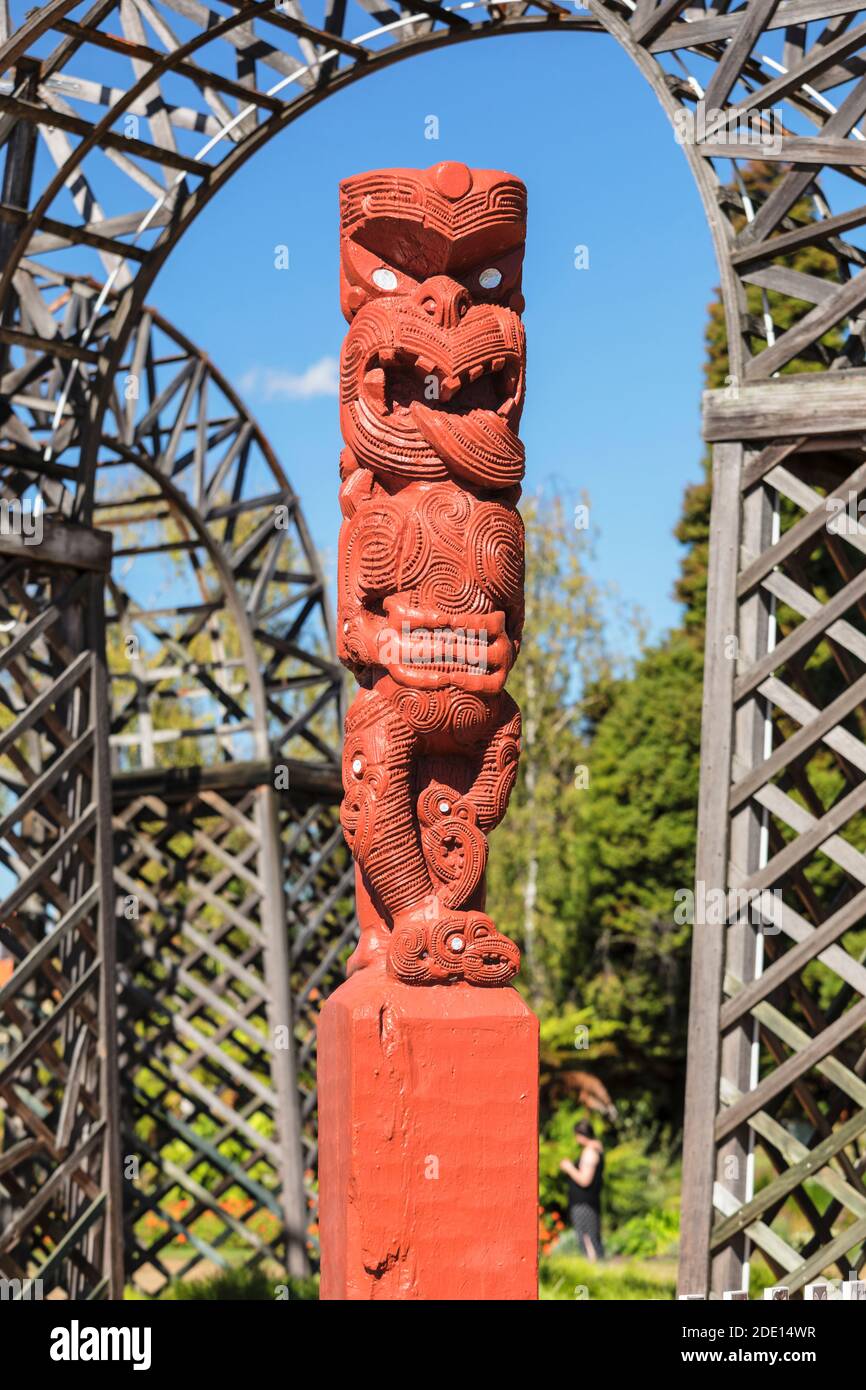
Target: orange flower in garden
pixel 236 1206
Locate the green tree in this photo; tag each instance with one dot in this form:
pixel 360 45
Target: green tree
pixel 638 844
pixel 640 808
pixel 536 884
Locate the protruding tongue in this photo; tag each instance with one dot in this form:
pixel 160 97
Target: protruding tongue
pixel 478 446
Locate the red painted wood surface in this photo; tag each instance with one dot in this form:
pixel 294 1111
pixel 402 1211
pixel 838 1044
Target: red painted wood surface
pixel 428 1125
pixel 430 588
pixel 428 1059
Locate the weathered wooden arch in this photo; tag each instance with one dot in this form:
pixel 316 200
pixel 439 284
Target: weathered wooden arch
pixel 214 850
pixel 198 83
pixel 267 666
pixel 717 59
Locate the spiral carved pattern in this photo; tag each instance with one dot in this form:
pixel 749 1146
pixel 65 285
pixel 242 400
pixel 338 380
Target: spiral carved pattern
pixel 373 550
pixel 431 558
pixel 494 543
pixel 465 947
pixel 455 848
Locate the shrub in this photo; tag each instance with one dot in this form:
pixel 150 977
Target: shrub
pixel 655 1232
pixel 243 1284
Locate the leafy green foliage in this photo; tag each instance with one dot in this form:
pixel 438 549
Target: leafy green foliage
pixel 655 1232
pixel 536 882
pixel 235 1285
pixel 640 845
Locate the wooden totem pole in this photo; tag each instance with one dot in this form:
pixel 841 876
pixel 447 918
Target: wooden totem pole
pixel 428 1058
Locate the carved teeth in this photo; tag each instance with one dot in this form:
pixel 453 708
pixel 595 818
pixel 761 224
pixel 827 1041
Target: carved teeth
pixel 374 384
pixel 449 387
pixel 375 379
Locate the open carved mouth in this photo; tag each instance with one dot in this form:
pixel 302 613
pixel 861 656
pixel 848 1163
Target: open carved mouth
pixel 445 650
pixel 437 401
pixel 425 649
pixel 397 381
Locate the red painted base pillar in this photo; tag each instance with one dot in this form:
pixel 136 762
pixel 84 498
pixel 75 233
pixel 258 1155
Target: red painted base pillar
pixel 428 1142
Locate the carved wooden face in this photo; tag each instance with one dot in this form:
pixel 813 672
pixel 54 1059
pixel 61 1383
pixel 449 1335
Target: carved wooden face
pixel 430 585
pixel 433 366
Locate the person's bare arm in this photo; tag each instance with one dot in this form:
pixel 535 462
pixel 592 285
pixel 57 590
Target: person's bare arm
pixel 583 1173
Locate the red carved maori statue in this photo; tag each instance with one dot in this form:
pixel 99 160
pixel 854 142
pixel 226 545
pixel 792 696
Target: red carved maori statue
pixel 431 556
pixel 428 1085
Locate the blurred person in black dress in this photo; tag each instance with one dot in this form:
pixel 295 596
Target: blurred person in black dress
pixel 584 1191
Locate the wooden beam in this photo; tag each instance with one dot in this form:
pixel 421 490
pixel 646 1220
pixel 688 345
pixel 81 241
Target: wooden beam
pixel 809 403
pixel 49 116
pixel 707 969
pixel 311 780
pixel 65 348
pixel 63 543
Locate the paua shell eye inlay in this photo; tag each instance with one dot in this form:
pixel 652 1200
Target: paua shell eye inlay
pixel 384 278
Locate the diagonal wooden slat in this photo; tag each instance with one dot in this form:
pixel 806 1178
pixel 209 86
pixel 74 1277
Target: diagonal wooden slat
pixel 812 1052
pixel 763 1236
pixel 754 18
pixel 793 1151
pixel 818 835
pixel 807 1168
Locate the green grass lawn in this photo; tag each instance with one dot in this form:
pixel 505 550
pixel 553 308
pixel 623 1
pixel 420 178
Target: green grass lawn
pixel 569 1277
pixel 563 1278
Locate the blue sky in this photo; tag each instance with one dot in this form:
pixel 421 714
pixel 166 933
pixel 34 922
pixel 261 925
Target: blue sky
pixel 615 350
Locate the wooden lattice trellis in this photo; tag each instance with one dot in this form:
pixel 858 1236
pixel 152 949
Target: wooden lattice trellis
pixel 59 1177
pixel 198 1039
pixel 779 996
pixel 218 687
pixel 239 682
pixel 320 897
